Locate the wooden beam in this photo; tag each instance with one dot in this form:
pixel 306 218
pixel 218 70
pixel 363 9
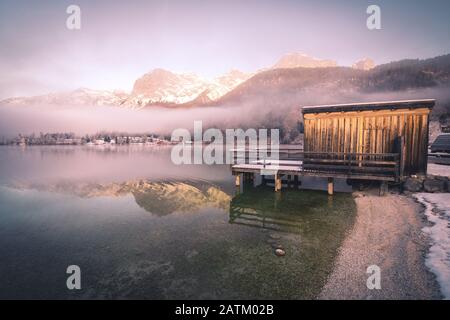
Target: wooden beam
pixel 296 181
pixel 330 186
pixel 238 180
pixel 237 170
pixel 369 113
pixel 402 150
pixel 277 182
pixel 383 188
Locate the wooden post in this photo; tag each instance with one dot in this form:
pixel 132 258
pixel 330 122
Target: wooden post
pixel 257 179
pixel 238 180
pixel 277 182
pixel 330 186
pixel 427 136
pixel 383 188
pixel 402 148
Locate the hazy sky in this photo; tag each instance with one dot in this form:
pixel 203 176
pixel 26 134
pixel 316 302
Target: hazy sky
pixel 121 40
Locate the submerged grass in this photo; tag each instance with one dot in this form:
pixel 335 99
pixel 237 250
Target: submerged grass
pixel 239 262
pixel 206 253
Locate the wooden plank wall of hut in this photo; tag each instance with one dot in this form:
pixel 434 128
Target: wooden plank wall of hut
pixel 371 132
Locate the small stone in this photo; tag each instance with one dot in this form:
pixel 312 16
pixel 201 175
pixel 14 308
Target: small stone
pixel 280 252
pixel 434 185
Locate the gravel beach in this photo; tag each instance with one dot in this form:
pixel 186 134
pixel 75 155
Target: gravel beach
pixel 387 233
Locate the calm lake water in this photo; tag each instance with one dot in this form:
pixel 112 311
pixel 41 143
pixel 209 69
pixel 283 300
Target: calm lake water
pixel 140 227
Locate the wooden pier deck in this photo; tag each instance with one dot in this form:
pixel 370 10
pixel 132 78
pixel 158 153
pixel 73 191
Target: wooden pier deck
pixel 383 167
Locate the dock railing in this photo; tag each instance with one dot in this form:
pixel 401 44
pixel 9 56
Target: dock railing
pixel 356 164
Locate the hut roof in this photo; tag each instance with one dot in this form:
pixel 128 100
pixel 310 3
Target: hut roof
pixel 385 105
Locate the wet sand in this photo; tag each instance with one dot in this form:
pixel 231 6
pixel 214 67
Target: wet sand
pixel 387 233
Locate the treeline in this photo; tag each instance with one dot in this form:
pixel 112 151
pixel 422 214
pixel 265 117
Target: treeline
pixel 70 138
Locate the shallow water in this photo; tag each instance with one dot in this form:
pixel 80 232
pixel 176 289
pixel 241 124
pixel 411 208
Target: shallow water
pixel 140 227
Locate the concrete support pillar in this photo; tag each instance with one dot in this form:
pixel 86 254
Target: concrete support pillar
pixel 330 186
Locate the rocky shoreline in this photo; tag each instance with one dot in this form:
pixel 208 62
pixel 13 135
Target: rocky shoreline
pixel 430 183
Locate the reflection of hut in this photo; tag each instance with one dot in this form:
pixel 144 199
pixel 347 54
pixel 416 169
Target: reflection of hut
pixel 295 213
pixel 248 216
pixel 372 128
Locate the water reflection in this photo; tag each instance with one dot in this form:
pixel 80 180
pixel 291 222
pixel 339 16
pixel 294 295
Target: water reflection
pixel 291 211
pixel 157 197
pixel 140 227
pixel 244 211
pixel 53 164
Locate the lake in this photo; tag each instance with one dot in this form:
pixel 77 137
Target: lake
pixel 139 226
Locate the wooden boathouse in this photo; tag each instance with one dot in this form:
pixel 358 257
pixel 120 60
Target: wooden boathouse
pixel 382 141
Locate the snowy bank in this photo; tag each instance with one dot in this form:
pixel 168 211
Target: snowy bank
pixel 437 211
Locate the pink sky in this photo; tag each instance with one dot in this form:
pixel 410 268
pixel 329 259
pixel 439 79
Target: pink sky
pixel 119 41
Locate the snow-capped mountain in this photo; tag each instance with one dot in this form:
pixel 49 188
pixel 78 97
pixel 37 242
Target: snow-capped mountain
pixel 225 83
pixel 364 64
pixel 79 97
pixel 158 87
pixel 164 87
pixel 301 60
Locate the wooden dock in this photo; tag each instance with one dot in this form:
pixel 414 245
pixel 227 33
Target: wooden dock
pixel 383 167
pixel 376 141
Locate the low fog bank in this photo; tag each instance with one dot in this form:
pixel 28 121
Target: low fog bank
pixel 262 111
pixel 88 120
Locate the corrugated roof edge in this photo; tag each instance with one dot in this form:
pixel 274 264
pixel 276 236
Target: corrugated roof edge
pixel 383 105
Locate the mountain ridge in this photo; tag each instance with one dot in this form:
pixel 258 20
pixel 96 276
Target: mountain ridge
pixel 164 88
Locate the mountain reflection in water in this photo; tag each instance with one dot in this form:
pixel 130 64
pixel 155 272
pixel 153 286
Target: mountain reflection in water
pixel 159 198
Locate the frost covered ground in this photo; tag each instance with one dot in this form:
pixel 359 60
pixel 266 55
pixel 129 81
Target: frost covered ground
pixel 437 210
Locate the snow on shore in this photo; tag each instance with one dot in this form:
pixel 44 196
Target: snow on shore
pixel 438 170
pixel 437 210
